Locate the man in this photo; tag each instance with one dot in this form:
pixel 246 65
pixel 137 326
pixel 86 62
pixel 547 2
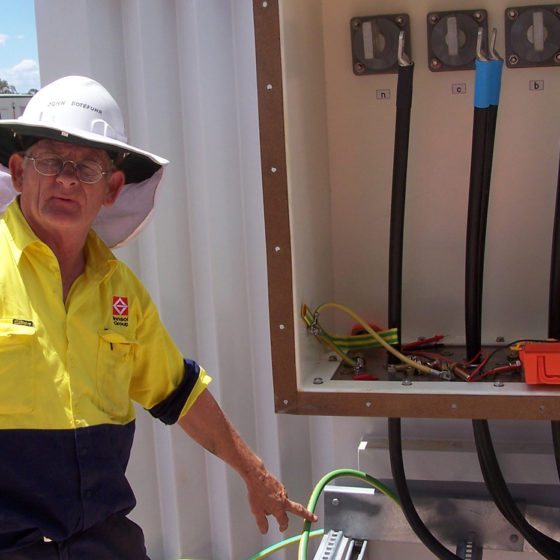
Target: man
pixel 80 338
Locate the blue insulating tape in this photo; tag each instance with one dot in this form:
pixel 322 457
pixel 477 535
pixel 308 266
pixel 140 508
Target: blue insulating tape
pixel 496 81
pixel 483 78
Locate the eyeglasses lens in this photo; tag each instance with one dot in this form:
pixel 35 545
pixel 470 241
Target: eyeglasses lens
pixel 87 171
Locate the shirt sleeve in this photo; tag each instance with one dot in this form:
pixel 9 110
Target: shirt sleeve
pixel 180 400
pixel 163 382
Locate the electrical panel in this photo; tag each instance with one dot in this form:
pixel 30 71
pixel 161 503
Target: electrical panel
pixel 328 83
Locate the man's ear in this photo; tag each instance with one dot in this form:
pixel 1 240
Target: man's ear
pixel 116 183
pixel 15 164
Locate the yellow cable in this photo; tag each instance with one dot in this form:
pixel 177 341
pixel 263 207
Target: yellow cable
pixel 335 349
pixel 388 347
pixel 310 321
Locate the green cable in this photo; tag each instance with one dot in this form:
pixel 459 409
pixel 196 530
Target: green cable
pixel 364 340
pixel 350 473
pixel 319 487
pixel 273 548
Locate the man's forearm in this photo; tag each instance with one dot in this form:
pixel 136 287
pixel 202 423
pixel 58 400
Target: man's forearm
pixel 206 424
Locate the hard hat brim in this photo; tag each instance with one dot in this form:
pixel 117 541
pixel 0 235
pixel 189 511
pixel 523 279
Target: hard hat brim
pixel 143 171
pixel 137 166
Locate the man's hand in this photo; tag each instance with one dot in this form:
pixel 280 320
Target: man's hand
pixel 207 425
pixel 267 496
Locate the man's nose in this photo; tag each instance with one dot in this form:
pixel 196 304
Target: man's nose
pixel 69 172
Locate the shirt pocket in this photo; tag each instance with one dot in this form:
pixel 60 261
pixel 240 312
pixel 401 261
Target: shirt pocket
pixel 115 361
pixel 17 383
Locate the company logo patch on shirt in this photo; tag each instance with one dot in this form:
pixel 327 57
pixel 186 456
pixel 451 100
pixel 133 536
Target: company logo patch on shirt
pixel 120 311
pixel 23 322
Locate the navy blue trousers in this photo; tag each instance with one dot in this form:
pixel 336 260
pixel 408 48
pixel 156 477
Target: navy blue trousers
pixel 117 538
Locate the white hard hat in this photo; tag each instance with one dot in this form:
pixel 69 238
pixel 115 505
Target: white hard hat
pixel 81 111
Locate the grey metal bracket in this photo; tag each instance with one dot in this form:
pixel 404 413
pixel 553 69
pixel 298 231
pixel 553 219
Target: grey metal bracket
pixel 365 514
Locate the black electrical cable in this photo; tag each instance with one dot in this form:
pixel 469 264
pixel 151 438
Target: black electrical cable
pixel 401 487
pixel 492 118
pixel 555 428
pixel 486 99
pixel 554 290
pixel 554 307
pixel 499 491
pixel 473 273
pixel 400 164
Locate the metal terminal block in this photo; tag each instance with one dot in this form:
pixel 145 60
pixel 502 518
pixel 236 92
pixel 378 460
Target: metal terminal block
pixel 375 43
pixel 468 550
pixel 314 328
pixel 452 37
pixel 532 36
pixel 335 546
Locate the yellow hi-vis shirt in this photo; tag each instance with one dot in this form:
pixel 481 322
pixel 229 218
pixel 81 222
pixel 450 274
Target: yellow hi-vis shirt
pixel 69 372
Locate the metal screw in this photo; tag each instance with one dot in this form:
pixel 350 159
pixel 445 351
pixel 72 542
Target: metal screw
pixel 500 339
pixel 268 87
pixel 281 327
pixel 356 23
pixel 265 4
pixel 514 538
pixel 273 169
pixel 277 249
pixel 513 59
pixel 285 401
pixel 335 502
pixel 498 383
pixel 435 63
pixel 314 330
pixel 512 14
pixel 557 11
pixel 433 18
pixel 318 381
pixel 368 404
pixel 557 58
pixel 359 68
pixel 399 20
pixel 360 363
pixel 407 382
pixel 478 17
pixel 333 358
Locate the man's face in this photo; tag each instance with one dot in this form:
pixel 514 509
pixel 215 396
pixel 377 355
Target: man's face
pixel 62 204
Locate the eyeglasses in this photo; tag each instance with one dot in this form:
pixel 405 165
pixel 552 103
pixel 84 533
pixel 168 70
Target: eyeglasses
pixel 87 171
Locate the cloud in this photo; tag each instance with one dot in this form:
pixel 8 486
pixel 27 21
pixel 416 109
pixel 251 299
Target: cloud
pixel 26 65
pixel 24 75
pixel 3 38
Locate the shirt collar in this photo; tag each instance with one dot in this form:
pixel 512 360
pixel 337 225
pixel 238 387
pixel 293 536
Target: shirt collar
pixel 100 261
pixel 22 234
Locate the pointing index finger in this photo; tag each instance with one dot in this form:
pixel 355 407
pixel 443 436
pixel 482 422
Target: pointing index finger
pixel 301 511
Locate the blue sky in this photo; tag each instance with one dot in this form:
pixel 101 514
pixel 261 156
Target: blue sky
pixel 19 61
